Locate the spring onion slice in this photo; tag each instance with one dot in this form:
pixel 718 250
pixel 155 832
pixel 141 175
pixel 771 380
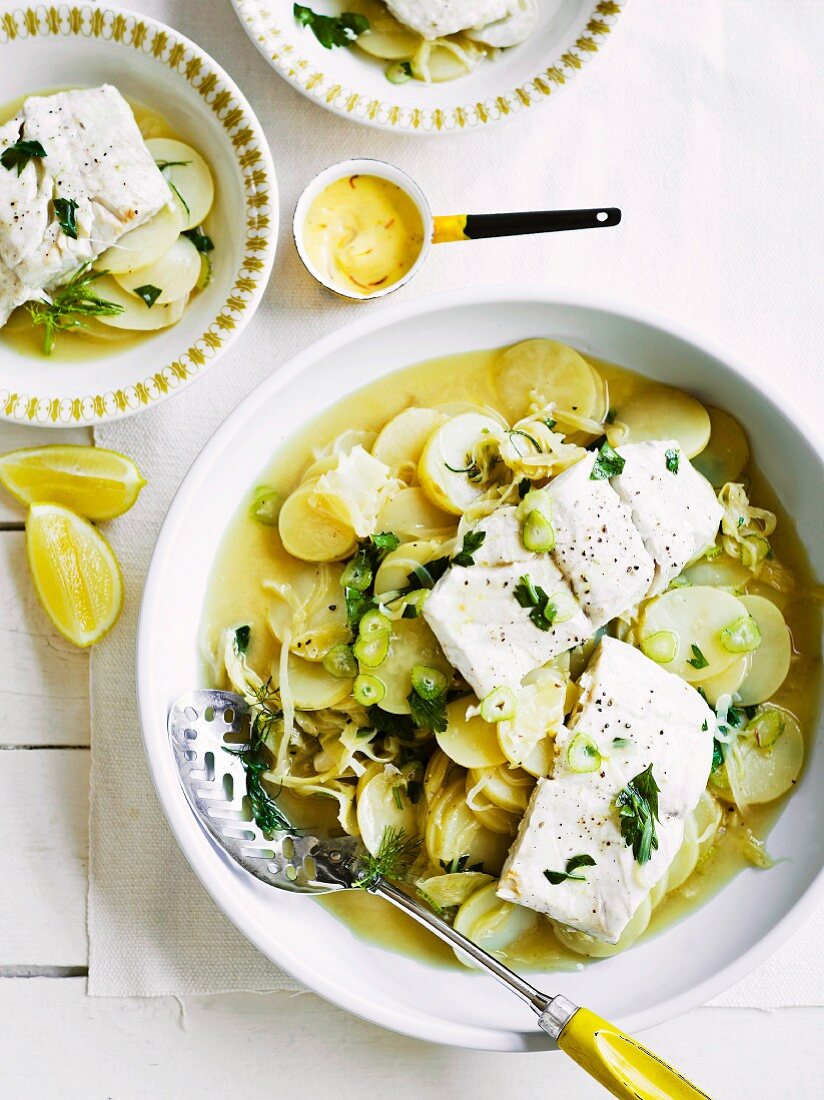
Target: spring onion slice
pixel 660 647
pixel 767 727
pixel 429 683
pixel 498 705
pixel 371 650
pixel 368 690
pixel 582 754
pixel 538 533
pixel 340 662
pixel 741 636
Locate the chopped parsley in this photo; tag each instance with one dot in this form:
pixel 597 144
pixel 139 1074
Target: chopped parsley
pixel 719 754
pixel 18 155
pixel 543 610
pixel 637 806
pixel 242 636
pixel 65 209
pixel 698 660
pixel 427 699
pixel 608 463
pixel 550 422
pixel 672 458
pixel 473 540
pixel 148 293
pixel 621 742
pixel 201 241
pixel 572 865
pixel 704 726
pixel 524 485
pixel 332 30
pixel 459 864
pixel 358 577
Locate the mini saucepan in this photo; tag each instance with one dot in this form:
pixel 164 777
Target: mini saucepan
pixel 363 228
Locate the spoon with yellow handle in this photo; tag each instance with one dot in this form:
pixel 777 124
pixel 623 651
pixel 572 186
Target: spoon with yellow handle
pixel 206 740
pixel 363 228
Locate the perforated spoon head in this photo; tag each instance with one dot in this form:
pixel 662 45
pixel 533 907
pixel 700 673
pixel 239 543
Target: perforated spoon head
pixel 203 725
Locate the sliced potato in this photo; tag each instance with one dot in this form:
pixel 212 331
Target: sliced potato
pixel 771 661
pixel 401 441
pixel 493 817
pixel 440 772
pixel 440 63
pixel 582 944
pixel 410 514
pixel 447 463
pixel 492 923
pixel 174 274
pixel 388 47
pixel 309 534
pixel 145 244
pixel 528 739
pixel 758 774
pixel 312 687
pixel 727 452
pixel 413 643
pixel 448 890
pixel 727 682
pixel 660 412
pixel 383 803
pixel 136 315
pixel 187 174
pixel 509 788
pixel 540 371
pixel 470 742
pixel 720 572
pixel 393 572
pixel 696 616
pixel 453 832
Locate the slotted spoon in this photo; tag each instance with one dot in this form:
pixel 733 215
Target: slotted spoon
pixel 214 783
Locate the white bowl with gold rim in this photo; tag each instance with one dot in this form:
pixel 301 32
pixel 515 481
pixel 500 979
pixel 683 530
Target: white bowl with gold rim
pixel 570 33
pixel 678 968
pixel 85 45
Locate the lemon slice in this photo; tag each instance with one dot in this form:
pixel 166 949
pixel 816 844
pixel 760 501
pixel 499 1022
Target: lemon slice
pixel 93 482
pixel 75 573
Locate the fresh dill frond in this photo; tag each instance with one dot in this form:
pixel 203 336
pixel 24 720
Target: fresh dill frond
pixel 71 306
pixel 396 853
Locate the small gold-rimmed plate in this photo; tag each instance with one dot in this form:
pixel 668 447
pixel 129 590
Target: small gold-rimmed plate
pixel 85 45
pixel 569 34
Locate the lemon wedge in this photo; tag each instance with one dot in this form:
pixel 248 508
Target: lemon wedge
pixel 76 575
pixel 93 482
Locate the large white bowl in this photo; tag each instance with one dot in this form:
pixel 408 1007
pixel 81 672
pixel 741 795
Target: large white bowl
pixel 84 45
pixel 674 971
pixel 570 33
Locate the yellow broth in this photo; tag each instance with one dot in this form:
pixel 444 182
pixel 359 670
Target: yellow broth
pixel 250 553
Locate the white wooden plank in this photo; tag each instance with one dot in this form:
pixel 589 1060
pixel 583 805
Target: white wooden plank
pixel 299 1046
pixel 15 436
pixel 44 679
pixel 44 826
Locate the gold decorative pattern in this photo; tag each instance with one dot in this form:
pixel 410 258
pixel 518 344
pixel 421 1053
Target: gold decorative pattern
pixel 267 24
pixel 187 61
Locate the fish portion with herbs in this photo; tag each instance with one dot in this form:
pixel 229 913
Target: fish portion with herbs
pixel 97 224
pixel 521 616
pixel 427 40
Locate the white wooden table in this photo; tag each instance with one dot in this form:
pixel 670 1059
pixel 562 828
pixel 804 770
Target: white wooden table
pixel 56 1042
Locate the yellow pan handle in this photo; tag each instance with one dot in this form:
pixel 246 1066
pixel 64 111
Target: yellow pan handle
pixel 620 1064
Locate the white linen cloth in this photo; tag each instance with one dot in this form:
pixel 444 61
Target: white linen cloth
pixel 703 122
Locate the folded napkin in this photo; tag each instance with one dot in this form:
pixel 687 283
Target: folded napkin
pixel 698 122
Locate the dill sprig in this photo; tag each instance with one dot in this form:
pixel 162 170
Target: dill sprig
pixel 396 853
pixel 71 306
pixel 266 712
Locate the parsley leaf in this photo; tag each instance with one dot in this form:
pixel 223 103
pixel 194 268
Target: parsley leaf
pixel 557 877
pixel 718 754
pixel 543 609
pixel 473 540
pixel 148 293
pixel 199 239
pixel 384 544
pixel 18 155
pixel 704 726
pixel 698 660
pixel 637 806
pixel 330 30
pixel 242 636
pixel 608 463
pixel 672 458
pixel 65 209
pixel 524 485
pixel 458 864
pixel 357 604
pixel 428 714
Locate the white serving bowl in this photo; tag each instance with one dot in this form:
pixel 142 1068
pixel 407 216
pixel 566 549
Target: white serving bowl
pixel 85 45
pixel 570 33
pixel 676 970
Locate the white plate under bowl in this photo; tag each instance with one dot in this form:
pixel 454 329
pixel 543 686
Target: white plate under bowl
pixel 570 33
pixel 84 45
pixel 673 971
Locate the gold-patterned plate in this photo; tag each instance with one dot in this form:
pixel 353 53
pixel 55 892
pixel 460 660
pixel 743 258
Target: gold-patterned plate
pixel 74 45
pixel 569 34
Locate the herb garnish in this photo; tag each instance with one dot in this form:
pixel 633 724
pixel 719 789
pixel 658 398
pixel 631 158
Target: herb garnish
pixel 201 241
pixel 608 463
pixel 148 293
pixel 637 806
pixel 524 485
pixel 698 660
pixel 550 422
pixel 396 852
pixel 70 307
pixel 672 459
pixel 358 578
pixel 427 701
pixel 473 540
pixel 610 417
pixel 330 30
pixel 621 742
pixel 518 431
pixel 719 754
pixel 18 155
pixel 65 209
pixel 557 877
pixel 472 469
pixel 242 636
pixel 529 595
pixel 265 812
pixel 459 864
